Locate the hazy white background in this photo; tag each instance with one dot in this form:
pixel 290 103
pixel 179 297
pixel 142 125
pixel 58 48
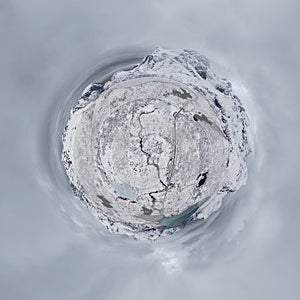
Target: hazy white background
pixel 51 251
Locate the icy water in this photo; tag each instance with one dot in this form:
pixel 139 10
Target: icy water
pixel 51 246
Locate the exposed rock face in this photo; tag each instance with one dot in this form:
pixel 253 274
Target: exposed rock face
pixel 157 145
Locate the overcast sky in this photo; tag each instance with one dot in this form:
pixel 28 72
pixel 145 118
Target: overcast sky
pixel 51 247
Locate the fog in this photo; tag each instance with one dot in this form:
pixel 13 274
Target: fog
pixel 52 247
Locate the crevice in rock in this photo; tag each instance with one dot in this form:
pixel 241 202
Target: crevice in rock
pixel 201 179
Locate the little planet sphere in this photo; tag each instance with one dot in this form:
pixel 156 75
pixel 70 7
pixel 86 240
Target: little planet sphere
pixel 157 146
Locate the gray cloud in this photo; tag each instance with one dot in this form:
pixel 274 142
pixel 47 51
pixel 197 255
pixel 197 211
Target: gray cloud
pixel 51 248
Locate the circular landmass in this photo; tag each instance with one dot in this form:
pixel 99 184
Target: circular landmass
pixel 157 145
